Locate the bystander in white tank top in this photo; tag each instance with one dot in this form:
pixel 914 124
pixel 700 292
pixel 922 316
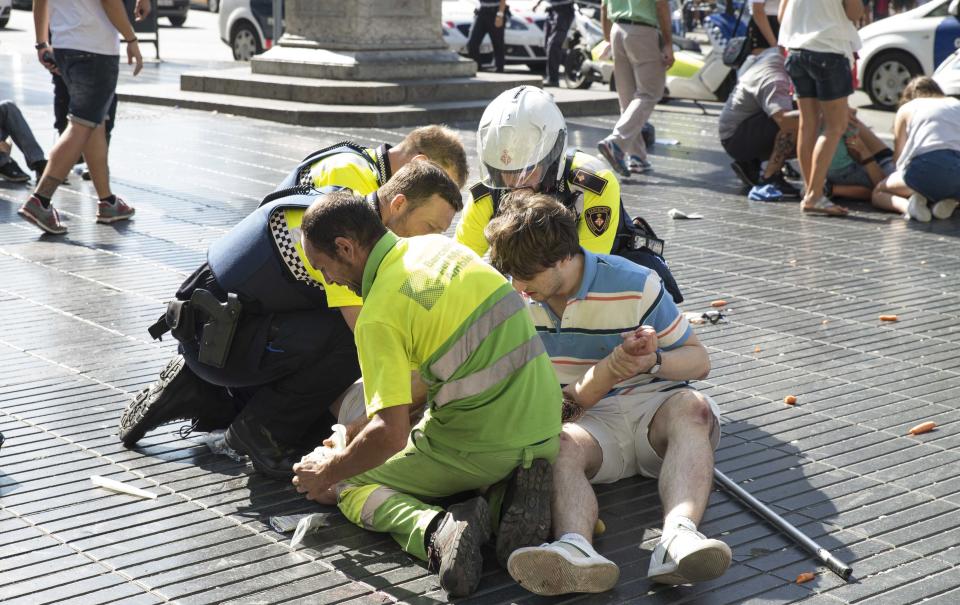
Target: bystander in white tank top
pixel 820 26
pixel 932 124
pixel 83 25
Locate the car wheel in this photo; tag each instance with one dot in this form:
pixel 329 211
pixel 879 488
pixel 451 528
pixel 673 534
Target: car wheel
pixel 177 21
pixel 887 75
pixel 244 42
pixel 572 71
pixel 213 6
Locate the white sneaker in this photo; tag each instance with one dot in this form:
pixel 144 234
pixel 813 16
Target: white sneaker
pixel 686 556
pixel 917 209
pixel 944 208
pixel 561 567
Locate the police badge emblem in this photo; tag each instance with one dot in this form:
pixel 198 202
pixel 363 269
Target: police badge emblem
pixel 505 157
pixel 598 219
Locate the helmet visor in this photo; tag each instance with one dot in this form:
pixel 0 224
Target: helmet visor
pixel 515 157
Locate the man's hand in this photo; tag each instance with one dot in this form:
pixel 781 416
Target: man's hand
pixel 636 355
pixel 45 56
pixel 667 56
pixel 857 148
pixel 311 478
pixel 5 147
pixel 133 55
pixel 141 10
pixel 641 341
pixel 498 22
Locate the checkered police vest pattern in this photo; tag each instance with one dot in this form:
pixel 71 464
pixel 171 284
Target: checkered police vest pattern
pixel 287 248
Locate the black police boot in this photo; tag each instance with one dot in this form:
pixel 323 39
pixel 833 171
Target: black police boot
pixel 525 513
pixel 178 394
pixel 269 457
pixel 453 550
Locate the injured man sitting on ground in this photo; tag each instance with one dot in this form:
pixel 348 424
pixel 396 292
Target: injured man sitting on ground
pixel 624 352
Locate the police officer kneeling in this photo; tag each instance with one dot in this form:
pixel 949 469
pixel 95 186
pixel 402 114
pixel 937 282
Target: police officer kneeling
pixel 257 318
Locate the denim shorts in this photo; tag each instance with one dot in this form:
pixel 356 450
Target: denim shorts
pixel 824 76
pixel 855 174
pixel 91 80
pixel 935 175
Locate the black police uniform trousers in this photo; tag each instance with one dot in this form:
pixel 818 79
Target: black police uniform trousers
pixel 484 23
pixel 555 32
pixel 288 367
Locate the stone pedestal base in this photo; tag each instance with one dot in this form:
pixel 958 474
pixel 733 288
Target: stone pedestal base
pixel 305 62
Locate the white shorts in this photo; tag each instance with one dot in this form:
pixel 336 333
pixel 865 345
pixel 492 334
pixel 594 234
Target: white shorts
pixel 620 424
pixel 352 406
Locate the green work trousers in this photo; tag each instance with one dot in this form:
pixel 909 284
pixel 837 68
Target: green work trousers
pixel 389 497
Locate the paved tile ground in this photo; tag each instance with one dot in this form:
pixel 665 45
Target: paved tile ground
pixel 805 295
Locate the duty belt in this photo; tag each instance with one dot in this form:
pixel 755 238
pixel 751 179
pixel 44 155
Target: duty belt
pixel 219 324
pixel 644 237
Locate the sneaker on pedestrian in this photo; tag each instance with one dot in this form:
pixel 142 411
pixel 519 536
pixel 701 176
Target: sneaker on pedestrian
pixel 639 165
pixel 117 211
pixel 944 208
pixel 749 172
pixel 614 156
pixel 47 218
pixel 685 556
pixel 787 189
pixel 917 209
pixel 525 512
pixel 453 550
pixel 562 567
pixel 38 167
pixel 268 456
pixel 12 172
pixel 177 394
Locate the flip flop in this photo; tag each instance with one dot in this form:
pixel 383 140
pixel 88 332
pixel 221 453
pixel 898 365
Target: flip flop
pixel 824 207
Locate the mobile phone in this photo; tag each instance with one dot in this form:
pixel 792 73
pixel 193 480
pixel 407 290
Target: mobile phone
pixel 47 58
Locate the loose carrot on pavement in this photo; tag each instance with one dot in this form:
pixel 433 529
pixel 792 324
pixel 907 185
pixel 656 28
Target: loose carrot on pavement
pixel 790 400
pixel 805 577
pixel 923 427
pixel 719 303
pixel 888 318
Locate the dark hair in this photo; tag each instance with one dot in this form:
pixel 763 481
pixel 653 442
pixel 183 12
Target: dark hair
pixel 921 86
pixel 532 232
pixel 419 180
pixel 443 146
pixel 341 214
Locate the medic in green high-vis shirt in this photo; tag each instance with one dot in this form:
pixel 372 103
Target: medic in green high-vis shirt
pixel 493 402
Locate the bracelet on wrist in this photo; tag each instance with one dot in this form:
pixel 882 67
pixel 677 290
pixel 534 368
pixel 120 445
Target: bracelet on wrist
pixel 868 160
pixel 41 45
pixel 132 40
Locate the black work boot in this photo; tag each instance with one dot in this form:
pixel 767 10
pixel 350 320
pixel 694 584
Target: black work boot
pixel 525 513
pixel 247 436
pixel 178 394
pixel 453 551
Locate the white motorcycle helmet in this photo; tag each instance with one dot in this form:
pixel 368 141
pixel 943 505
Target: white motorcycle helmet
pixel 521 140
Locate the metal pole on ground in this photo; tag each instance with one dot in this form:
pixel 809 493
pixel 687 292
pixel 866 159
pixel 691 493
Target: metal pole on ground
pixel 822 554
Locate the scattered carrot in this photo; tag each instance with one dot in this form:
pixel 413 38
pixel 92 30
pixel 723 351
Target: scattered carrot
pixel 805 577
pixel 790 400
pixel 599 528
pixel 756 349
pixel 888 318
pixel 923 427
pixel 719 303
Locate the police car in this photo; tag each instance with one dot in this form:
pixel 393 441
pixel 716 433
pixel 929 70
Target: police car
pixel 5 7
pixel 523 36
pixel 906 45
pixel 948 75
pixel 246 26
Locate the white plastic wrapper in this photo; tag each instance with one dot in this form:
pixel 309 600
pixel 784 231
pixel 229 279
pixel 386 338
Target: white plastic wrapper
pixel 305 524
pixel 339 438
pixel 217 443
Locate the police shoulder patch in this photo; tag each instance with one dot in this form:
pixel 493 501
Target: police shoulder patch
pixel 479 190
pixel 588 180
pixel 597 219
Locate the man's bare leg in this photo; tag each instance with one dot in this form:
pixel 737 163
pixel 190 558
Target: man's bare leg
pixel 95 153
pixel 784 147
pixel 62 157
pixel 569 564
pixel 680 434
pixel 892 194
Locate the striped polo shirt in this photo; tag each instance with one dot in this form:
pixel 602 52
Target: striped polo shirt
pixel 615 296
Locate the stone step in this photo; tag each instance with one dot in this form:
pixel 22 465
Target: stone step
pixel 572 103
pixel 241 82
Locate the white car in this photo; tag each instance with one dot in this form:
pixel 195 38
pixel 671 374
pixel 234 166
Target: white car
pixel 5 7
pixel 906 45
pixel 523 37
pixel 948 75
pixel 246 26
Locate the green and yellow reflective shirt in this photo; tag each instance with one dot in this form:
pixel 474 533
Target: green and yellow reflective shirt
pixel 599 209
pixel 432 305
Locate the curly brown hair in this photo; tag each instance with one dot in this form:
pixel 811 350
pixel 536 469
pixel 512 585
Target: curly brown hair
pixel 921 86
pixel 532 232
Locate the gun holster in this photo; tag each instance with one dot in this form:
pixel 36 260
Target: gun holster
pixel 644 237
pixel 219 324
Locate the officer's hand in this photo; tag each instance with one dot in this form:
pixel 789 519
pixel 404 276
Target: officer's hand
pixel 310 478
pixel 133 55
